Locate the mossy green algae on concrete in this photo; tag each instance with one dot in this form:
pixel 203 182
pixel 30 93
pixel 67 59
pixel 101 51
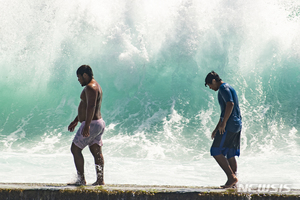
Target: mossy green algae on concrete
pixel 83 193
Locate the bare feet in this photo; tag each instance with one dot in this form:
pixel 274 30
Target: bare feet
pixel 226 186
pixel 230 183
pixel 98 183
pixel 78 183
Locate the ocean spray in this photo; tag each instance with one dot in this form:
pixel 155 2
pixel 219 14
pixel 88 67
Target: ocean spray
pixel 151 59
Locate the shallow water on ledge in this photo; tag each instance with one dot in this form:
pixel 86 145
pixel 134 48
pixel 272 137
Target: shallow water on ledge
pixel 151 59
pixel 36 168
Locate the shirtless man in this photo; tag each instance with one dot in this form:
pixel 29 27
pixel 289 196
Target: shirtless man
pixel 92 125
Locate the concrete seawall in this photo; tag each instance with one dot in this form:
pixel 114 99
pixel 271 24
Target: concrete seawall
pixel 15 191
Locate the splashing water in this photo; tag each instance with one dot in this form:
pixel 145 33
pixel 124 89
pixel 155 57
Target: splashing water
pixel 151 59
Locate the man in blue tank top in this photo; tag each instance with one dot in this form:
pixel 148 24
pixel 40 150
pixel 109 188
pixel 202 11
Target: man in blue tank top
pixel 226 135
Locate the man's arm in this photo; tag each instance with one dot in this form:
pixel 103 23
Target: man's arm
pixel 91 98
pixel 228 111
pixel 216 129
pixel 73 124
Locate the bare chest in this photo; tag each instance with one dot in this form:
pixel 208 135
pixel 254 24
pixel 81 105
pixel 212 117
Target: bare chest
pixel 83 96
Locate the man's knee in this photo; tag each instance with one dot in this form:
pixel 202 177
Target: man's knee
pixel 96 149
pixel 231 159
pixel 75 149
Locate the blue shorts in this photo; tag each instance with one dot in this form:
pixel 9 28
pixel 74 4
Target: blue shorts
pixel 227 144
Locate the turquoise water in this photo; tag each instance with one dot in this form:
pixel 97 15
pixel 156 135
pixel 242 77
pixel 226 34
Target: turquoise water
pixel 151 59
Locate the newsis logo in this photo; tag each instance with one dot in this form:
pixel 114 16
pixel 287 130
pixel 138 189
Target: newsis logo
pixel 264 188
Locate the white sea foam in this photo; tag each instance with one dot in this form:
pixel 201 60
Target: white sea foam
pixel 151 58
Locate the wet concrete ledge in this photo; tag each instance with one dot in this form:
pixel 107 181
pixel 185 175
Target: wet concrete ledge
pixel 27 191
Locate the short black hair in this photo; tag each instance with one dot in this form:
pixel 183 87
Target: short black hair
pixel 85 69
pixel 210 76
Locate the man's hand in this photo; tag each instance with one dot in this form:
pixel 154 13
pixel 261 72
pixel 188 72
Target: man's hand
pixel 86 131
pixel 222 127
pixel 72 126
pixel 213 134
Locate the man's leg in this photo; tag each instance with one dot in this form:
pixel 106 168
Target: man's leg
pixel 232 164
pixel 96 150
pixel 222 161
pixel 79 164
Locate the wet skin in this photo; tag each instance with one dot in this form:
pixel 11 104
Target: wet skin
pixel 88 110
pixel 229 166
